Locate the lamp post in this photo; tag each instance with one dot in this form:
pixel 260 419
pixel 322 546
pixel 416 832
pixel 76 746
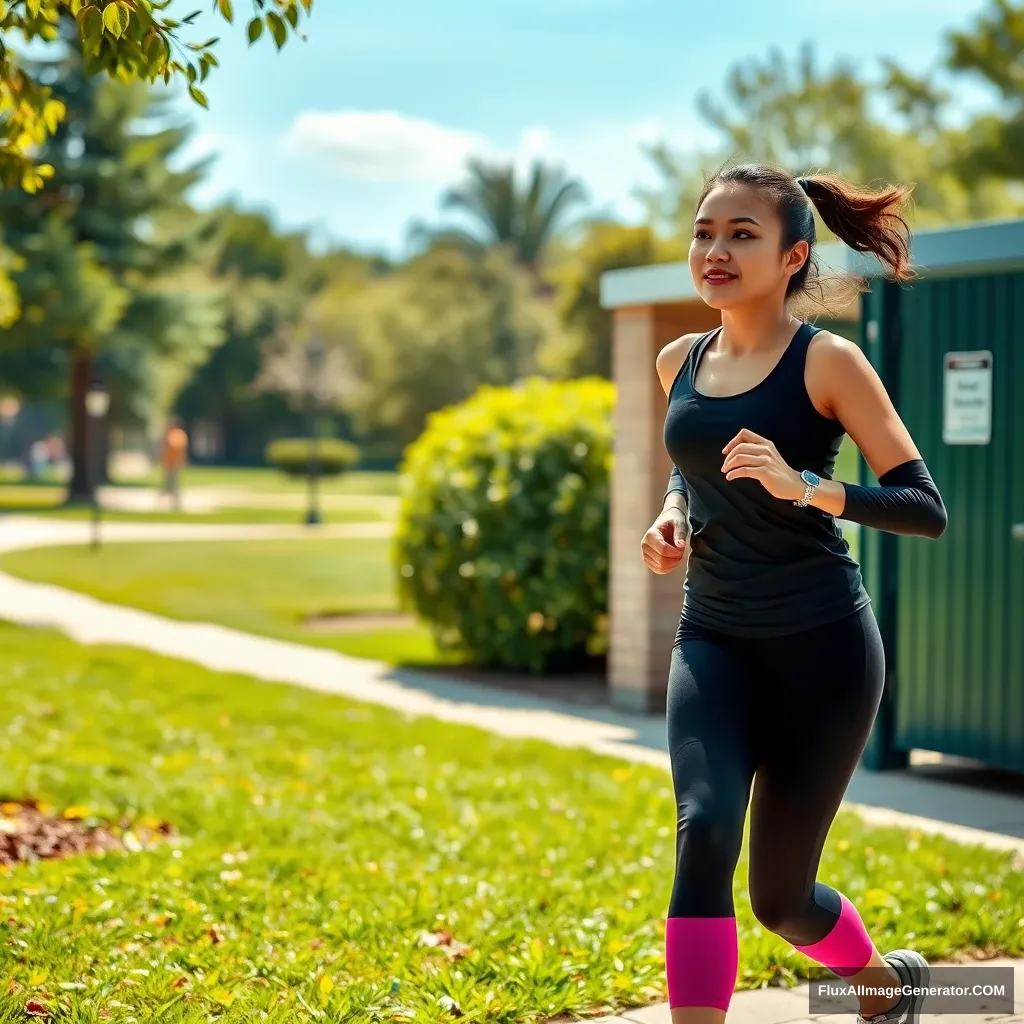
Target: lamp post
pixel 97 402
pixel 314 364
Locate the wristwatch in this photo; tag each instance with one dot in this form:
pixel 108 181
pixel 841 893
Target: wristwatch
pixel 811 481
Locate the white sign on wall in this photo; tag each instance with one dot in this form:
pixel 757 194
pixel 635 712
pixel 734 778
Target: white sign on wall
pixel 967 398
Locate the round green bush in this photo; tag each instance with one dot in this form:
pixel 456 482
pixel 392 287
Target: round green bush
pixel 502 538
pixel 291 455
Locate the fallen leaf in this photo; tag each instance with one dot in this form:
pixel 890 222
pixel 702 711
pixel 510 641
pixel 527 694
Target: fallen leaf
pixel 34 1008
pixel 215 936
pixel 451 1006
pixel 76 812
pixel 326 985
pixel 179 982
pixel 37 978
pixel 224 997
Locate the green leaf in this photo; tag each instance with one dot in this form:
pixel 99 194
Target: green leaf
pixel 199 96
pixel 226 10
pixel 53 114
pixel 255 29
pixel 116 18
pixel 277 29
pixel 292 14
pixel 90 23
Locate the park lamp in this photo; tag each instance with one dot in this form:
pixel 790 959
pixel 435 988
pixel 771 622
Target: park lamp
pixel 315 353
pixel 97 403
pixel 97 400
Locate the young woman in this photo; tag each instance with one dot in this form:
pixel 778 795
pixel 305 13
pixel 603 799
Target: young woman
pixel 777 667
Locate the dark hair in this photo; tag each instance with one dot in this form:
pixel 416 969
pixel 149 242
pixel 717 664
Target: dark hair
pixel 867 220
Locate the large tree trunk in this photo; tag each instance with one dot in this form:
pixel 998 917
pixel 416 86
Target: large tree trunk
pixel 80 488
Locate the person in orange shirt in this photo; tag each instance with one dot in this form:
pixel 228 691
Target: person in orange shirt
pixel 173 459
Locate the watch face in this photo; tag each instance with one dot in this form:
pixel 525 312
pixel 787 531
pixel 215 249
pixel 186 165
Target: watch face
pixel 810 478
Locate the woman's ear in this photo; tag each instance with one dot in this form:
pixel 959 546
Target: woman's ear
pixel 797 257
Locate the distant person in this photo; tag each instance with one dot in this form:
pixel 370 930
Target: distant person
pixel 38 459
pixel 173 458
pixel 777 667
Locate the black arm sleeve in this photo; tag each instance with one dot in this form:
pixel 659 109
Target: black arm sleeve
pixel 676 483
pixel 906 501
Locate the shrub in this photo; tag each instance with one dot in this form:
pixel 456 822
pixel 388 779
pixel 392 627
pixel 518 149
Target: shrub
pixel 291 455
pixel 502 538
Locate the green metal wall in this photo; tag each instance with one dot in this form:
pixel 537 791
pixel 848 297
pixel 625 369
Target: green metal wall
pixel 952 610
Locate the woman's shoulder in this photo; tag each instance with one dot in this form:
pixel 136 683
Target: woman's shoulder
pixel 833 360
pixel 828 352
pixel 672 356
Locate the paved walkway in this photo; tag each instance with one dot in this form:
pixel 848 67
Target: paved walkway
pixel 957 809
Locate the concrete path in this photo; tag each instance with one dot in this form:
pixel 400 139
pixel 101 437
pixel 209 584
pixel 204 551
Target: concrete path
pixel 207 498
pixel 792 1006
pixel 958 809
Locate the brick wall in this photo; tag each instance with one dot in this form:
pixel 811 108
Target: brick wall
pixel 643 606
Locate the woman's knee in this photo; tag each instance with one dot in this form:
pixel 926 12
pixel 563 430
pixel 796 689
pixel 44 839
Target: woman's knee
pixel 708 846
pixel 786 913
pixel 710 835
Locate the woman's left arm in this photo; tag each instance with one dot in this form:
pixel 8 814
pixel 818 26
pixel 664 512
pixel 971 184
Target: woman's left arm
pixel 842 381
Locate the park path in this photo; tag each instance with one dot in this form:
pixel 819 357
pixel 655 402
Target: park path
pixel 603 730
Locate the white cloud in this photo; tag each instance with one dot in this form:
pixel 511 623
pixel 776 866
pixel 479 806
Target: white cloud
pixel 384 145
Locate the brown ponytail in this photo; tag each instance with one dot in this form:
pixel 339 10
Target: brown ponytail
pixel 866 220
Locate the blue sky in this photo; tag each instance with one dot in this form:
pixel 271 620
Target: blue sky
pixel 357 131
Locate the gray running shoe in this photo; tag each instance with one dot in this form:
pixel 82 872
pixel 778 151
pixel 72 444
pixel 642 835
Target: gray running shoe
pixel 913 971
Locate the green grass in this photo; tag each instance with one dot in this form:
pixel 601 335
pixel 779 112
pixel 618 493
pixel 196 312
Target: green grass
pixel 253 479
pixel 271 480
pixel 335 507
pixel 265 587
pixel 241 516
pixel 321 838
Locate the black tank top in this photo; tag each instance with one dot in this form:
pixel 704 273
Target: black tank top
pixel 757 565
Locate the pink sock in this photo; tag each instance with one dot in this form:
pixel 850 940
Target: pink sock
pixel 701 960
pixel 846 949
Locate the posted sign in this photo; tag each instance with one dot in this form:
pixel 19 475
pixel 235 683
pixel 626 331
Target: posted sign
pixel 967 398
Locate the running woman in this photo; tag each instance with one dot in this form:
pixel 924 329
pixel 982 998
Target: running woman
pixel 777 667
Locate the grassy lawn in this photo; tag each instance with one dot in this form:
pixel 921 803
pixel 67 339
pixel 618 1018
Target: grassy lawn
pixel 348 860
pixel 336 507
pixel 266 479
pixel 265 587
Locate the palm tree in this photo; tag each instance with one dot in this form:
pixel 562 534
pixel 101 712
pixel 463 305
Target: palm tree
pixel 524 219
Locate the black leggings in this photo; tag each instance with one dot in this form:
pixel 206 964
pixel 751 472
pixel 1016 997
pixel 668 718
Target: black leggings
pixel 791 714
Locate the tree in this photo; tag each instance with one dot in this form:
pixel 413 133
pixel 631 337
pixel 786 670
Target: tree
pixel 102 252
pixel 993 144
pixel 129 40
pixel 585 346
pixel 268 281
pixel 802 117
pixel 504 214
pixel 425 336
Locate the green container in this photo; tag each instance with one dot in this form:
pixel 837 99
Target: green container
pixel 951 610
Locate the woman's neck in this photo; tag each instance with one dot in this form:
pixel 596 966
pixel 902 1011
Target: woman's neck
pixel 757 326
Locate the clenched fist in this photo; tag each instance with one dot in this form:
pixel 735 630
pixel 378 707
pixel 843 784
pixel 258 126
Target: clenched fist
pixel 664 544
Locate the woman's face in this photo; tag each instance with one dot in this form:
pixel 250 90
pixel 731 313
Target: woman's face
pixel 736 252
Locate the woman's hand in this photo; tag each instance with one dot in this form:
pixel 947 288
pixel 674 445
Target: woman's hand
pixel 751 455
pixel 664 544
